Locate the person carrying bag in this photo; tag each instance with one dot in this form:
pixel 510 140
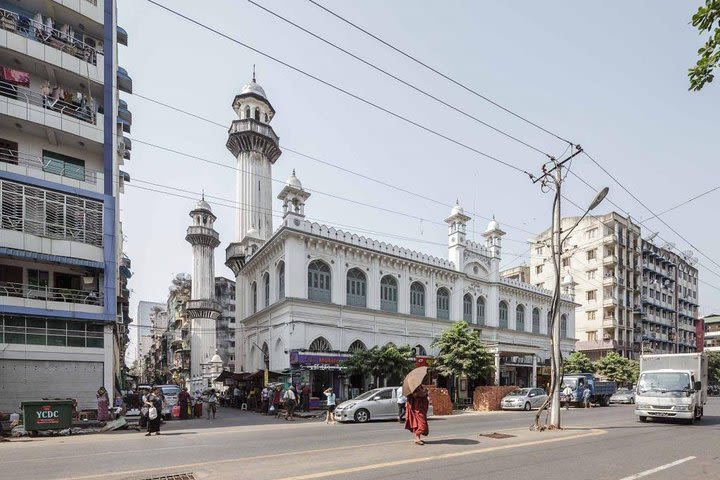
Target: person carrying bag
pixel 290 400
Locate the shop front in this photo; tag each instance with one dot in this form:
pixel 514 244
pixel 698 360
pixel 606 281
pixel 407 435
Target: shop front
pixel 319 370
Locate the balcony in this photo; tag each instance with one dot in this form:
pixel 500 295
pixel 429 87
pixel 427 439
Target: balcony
pixel 77 118
pixel 609 301
pixel 65 174
pixel 26 295
pixel 64 48
pixel 609 260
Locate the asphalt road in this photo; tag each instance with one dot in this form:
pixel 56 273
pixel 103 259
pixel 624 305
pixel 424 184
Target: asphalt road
pixel 600 443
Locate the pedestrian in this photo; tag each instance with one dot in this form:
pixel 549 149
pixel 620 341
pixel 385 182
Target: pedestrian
pixel 184 402
pixel 290 400
pixel 330 417
pixel 265 400
pixel 305 393
pixel 416 407
pixel 586 397
pixel 276 399
pixel 401 399
pixel 212 401
pixel 154 405
pixel 103 403
pixel 236 397
pixel 197 403
pixel 567 392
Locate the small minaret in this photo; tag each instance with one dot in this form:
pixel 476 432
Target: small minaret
pixel 202 308
pixel 493 242
pixel 457 234
pixel 293 197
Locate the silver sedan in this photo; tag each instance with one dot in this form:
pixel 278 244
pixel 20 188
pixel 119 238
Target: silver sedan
pixel 523 399
pixel 623 395
pixel 377 404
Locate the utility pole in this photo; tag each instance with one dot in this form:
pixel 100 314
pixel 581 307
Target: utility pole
pixel 552 178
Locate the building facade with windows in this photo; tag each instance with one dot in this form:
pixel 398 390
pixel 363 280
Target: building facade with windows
pixel 63 276
pixel 602 255
pixel 225 324
pixel 308 294
pixel 711 324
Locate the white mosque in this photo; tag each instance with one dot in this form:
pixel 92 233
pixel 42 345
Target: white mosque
pixel 309 294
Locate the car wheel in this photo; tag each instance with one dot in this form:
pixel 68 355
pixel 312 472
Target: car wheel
pixel 362 416
pixel 527 406
pixel 642 419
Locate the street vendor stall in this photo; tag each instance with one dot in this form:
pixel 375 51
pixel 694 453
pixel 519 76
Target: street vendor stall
pixel 318 370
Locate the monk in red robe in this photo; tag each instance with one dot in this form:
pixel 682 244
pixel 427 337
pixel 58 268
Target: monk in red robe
pixel 416 409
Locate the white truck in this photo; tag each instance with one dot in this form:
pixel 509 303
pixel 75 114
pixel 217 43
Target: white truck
pixel 672 386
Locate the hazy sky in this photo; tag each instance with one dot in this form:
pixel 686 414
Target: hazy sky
pixel 610 76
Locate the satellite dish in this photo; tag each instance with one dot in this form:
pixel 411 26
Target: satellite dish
pixel 688 253
pixel 652 236
pixel 693 261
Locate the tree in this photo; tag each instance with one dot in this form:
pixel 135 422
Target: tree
pixel 380 362
pixel 713 367
pixel 706 19
pixel 616 368
pixel 461 353
pixel 578 362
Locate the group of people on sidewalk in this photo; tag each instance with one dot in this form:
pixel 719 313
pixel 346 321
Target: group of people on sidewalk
pixel 586 396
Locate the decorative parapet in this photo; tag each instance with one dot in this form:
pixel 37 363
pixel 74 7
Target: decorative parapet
pixel 477 248
pixel 235 257
pixel 532 288
pixel 197 235
pixel 204 309
pixel 372 244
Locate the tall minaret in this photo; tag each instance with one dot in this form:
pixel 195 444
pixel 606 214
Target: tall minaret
pixel 254 144
pixel 202 308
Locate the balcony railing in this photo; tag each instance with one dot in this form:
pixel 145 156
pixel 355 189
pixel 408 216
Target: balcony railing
pixel 62 40
pixel 80 173
pixel 51 294
pixel 82 109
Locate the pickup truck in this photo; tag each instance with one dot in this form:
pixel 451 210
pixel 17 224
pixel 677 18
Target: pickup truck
pixel 600 391
pixel 672 386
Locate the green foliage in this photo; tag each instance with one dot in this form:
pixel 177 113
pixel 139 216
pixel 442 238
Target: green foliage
pixel 713 367
pixel 461 352
pixel 578 362
pixel 380 362
pixel 618 368
pixel 706 19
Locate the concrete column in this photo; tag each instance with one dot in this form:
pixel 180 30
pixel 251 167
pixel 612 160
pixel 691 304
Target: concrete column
pixel 534 372
pixel 497 368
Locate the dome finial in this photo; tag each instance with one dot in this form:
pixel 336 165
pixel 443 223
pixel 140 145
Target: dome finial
pixel 253 73
pixel 203 194
pixel 293 172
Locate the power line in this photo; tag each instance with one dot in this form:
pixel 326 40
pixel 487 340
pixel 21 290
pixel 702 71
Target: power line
pixel 436 71
pixel 398 79
pixel 343 90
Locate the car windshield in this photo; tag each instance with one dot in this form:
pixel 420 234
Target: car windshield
pixel 664 382
pixel 170 390
pixel 622 391
pixel 571 382
pixel 519 393
pixel 368 394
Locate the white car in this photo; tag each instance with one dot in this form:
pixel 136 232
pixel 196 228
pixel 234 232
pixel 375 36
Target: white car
pixel 377 404
pixel 523 399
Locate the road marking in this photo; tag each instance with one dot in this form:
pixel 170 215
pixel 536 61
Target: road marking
pixel 657 469
pixel 377 466
pixel 63 457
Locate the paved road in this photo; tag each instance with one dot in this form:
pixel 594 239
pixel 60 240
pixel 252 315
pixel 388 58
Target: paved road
pixel 600 443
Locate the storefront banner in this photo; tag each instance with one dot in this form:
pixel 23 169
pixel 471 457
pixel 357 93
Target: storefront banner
pixel 300 358
pixel 423 361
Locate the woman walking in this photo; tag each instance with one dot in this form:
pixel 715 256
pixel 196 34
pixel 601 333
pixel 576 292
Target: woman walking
pixel 416 407
pixel 330 405
pixel 103 402
pixel 154 405
pixel 212 401
pixel 184 402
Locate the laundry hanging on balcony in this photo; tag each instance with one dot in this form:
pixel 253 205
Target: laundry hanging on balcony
pixel 16 77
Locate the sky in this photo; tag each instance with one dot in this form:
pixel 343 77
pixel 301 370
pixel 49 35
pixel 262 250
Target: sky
pixel 610 76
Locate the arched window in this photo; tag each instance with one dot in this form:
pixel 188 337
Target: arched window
pixel 247 112
pixel 266 284
pixel 267 119
pixel 443 303
pixel 563 326
pixel 281 280
pixel 357 346
pixel 356 288
pixel 319 281
pixel 536 320
pixel 549 324
pixel 388 294
pixel 266 355
pixel 420 350
pixel 480 313
pixel 257 114
pixel 520 318
pixel 320 344
pixel 467 308
pixel 503 315
pixel 417 299
pixel 253 289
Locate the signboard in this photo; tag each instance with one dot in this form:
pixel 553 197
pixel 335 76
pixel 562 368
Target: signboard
pixel 317 358
pixel 700 335
pixel 423 361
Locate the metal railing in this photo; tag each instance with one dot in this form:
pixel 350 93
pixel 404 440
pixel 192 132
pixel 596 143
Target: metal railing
pixel 34 162
pixel 51 294
pixel 84 110
pixel 61 40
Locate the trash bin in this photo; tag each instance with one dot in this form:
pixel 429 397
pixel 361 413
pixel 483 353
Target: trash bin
pixel 47 415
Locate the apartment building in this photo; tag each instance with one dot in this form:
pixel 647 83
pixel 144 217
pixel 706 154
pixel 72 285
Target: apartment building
pixel 602 255
pixel 144 321
pixel 225 323
pixel 669 300
pixel 63 277
pixel 521 273
pixel 711 324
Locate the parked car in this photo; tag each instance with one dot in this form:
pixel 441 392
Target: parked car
pixel 376 404
pixel 171 393
pixel 623 395
pixel 523 399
